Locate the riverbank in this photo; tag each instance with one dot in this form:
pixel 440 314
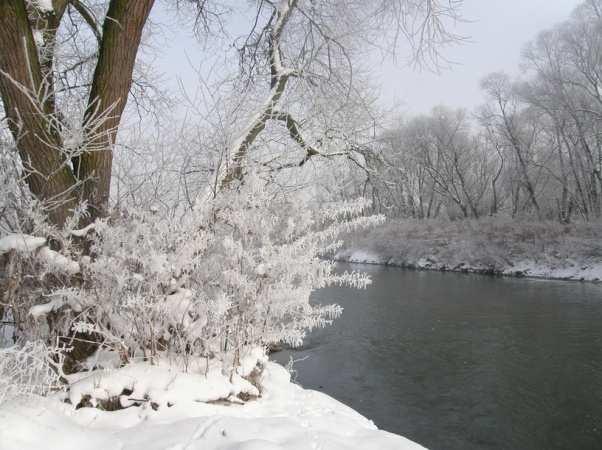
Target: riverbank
pixel 144 407
pixel 545 250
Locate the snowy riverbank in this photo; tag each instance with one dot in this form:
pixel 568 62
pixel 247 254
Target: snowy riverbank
pixel 180 411
pixel 496 247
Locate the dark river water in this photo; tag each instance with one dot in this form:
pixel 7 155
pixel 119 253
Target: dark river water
pixel 456 361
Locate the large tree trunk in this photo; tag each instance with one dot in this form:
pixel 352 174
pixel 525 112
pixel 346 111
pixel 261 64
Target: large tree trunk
pixel 27 90
pixel 121 36
pixel 31 115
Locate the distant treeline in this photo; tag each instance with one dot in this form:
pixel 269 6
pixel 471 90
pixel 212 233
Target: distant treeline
pixel 534 149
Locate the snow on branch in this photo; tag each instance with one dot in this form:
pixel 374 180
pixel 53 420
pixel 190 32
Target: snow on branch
pixel 44 6
pixel 57 262
pixel 84 231
pixel 280 76
pixel 27 244
pixel 58 299
pixel 21 243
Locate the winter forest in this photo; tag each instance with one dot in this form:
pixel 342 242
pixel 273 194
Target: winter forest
pixel 176 253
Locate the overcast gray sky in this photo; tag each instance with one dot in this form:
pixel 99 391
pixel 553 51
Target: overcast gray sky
pixel 498 30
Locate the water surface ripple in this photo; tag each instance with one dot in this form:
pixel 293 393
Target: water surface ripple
pixel 460 362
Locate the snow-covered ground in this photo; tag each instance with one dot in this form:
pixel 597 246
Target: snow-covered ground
pixel 185 411
pixel 502 247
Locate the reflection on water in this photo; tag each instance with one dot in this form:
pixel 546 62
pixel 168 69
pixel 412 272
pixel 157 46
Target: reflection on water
pixel 464 362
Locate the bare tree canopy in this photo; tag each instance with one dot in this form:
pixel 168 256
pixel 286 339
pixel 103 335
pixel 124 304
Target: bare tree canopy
pixel 308 41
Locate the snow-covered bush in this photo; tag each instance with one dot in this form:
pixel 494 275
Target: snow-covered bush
pixel 234 274
pixel 30 266
pixel 33 278
pixel 28 369
pixel 17 206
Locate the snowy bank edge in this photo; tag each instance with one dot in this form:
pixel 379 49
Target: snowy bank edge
pixel 590 272
pixel 286 417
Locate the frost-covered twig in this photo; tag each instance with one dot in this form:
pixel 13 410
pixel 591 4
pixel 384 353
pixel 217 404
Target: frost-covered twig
pixel 27 369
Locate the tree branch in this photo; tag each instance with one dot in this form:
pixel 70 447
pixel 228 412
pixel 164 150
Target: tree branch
pixel 89 18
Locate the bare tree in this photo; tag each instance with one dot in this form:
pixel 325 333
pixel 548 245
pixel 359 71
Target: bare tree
pixel 307 51
pixel 509 122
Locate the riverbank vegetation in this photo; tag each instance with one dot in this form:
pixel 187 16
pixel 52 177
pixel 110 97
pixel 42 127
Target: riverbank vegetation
pixel 494 246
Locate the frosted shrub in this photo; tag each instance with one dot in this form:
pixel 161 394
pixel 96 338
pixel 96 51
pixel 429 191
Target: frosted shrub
pixel 28 369
pixel 235 273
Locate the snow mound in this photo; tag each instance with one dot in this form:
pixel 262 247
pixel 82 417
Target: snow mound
pixel 286 416
pixel 161 385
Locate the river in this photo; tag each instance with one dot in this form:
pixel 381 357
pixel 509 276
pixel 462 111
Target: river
pixel 459 362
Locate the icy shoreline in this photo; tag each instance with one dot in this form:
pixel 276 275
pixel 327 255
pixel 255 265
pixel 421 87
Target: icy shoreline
pixel 285 416
pixel 491 247
pixel 522 269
